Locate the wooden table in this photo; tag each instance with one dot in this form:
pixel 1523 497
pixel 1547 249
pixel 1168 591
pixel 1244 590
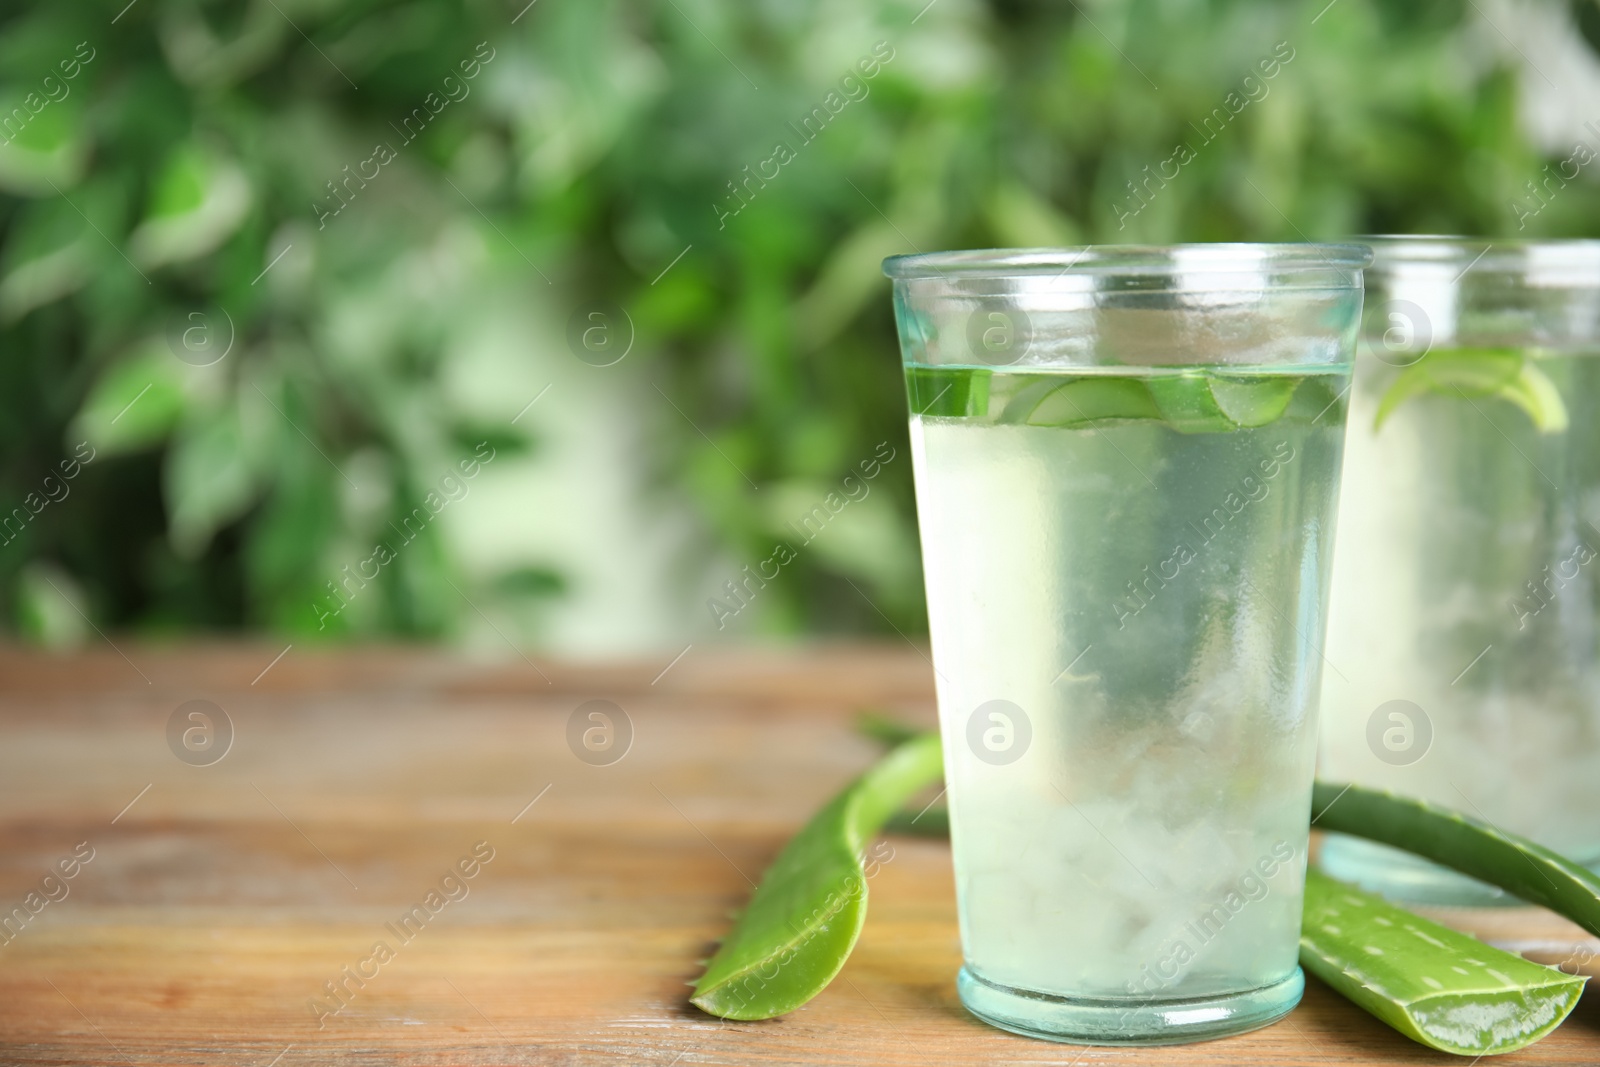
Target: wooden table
pixel 221 898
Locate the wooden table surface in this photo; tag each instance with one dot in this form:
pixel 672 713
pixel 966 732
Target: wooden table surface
pixel 220 899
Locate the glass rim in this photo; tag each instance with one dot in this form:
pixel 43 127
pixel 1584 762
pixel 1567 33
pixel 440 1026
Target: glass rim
pixel 1135 260
pixel 1480 254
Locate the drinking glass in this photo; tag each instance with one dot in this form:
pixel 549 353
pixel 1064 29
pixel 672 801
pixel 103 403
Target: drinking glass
pixel 1465 615
pixel 1126 465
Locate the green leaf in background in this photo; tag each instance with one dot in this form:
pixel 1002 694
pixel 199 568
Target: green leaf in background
pixel 47 257
pixel 134 405
pixel 198 200
pixel 804 919
pixel 208 481
pixel 1436 985
pixel 1510 374
pixel 47 153
pixel 601 143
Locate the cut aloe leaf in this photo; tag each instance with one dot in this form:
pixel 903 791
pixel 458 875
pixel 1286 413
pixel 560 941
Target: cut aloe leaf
pixel 1534 392
pixel 805 917
pixel 1080 402
pixel 1521 867
pixel 1437 986
pixel 1254 402
pixel 948 391
pixel 1507 373
pixel 1211 403
pixel 1319 399
pixel 1187 404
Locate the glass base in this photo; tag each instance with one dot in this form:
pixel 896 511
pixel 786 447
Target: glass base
pixel 1398 875
pixel 1127 1021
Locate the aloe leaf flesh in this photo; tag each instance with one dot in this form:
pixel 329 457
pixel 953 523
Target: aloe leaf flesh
pixel 1521 867
pixel 805 917
pixel 1436 985
pixel 1187 404
pixel 959 392
pixel 1254 401
pixel 1080 402
pixel 1192 401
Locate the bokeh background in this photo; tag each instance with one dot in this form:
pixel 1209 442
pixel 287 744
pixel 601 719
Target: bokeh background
pixel 537 324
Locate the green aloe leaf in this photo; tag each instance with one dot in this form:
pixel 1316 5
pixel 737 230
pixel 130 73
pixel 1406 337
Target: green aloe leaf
pixel 948 391
pixel 1188 405
pixel 805 917
pixel 1253 401
pixel 1212 403
pixel 1436 985
pixel 1507 373
pixel 1521 867
pixel 1080 403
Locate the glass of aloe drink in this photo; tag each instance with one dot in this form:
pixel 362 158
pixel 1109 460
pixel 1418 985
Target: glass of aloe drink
pixel 1464 628
pixel 1126 463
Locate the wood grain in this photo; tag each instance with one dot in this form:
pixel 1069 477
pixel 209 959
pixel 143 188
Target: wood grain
pixel 217 905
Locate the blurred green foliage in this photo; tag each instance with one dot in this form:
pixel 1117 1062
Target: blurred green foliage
pixel 168 184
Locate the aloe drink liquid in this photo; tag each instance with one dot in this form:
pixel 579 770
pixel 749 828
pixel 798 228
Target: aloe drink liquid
pixel 1125 568
pixel 1188 610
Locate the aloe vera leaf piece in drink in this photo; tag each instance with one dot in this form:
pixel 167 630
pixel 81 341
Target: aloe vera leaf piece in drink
pixel 1253 401
pixel 1507 373
pixel 1206 402
pixel 805 917
pixel 1187 404
pixel 1534 392
pixel 1458 372
pixel 1080 403
pixel 1318 398
pixel 1435 985
pixel 949 391
pixel 1521 867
